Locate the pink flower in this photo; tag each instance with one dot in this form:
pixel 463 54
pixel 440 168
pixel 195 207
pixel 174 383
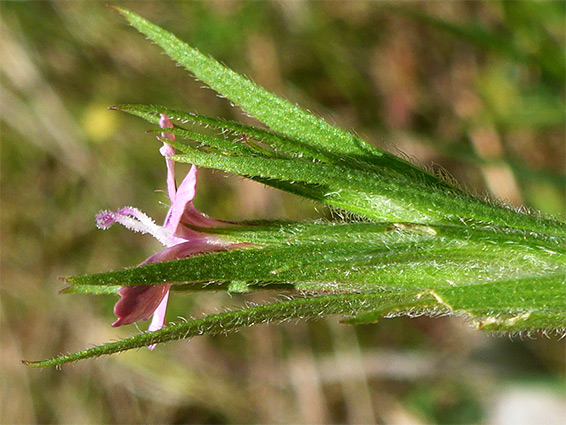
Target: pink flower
pixel 141 302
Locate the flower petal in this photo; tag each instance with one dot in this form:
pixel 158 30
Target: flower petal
pixel 158 320
pixel 186 249
pixel 138 303
pixel 193 217
pixel 184 196
pixel 167 151
pixel 165 122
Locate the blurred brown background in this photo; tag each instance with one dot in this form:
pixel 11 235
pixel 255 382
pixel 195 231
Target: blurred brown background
pixel 475 88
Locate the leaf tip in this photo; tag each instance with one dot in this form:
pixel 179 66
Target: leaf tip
pixel 115 8
pixel 66 279
pixel 124 12
pixel 65 291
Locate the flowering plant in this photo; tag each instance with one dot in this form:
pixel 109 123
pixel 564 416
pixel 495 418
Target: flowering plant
pixel 414 243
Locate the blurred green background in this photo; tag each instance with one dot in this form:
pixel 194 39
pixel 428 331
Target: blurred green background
pixel 473 88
